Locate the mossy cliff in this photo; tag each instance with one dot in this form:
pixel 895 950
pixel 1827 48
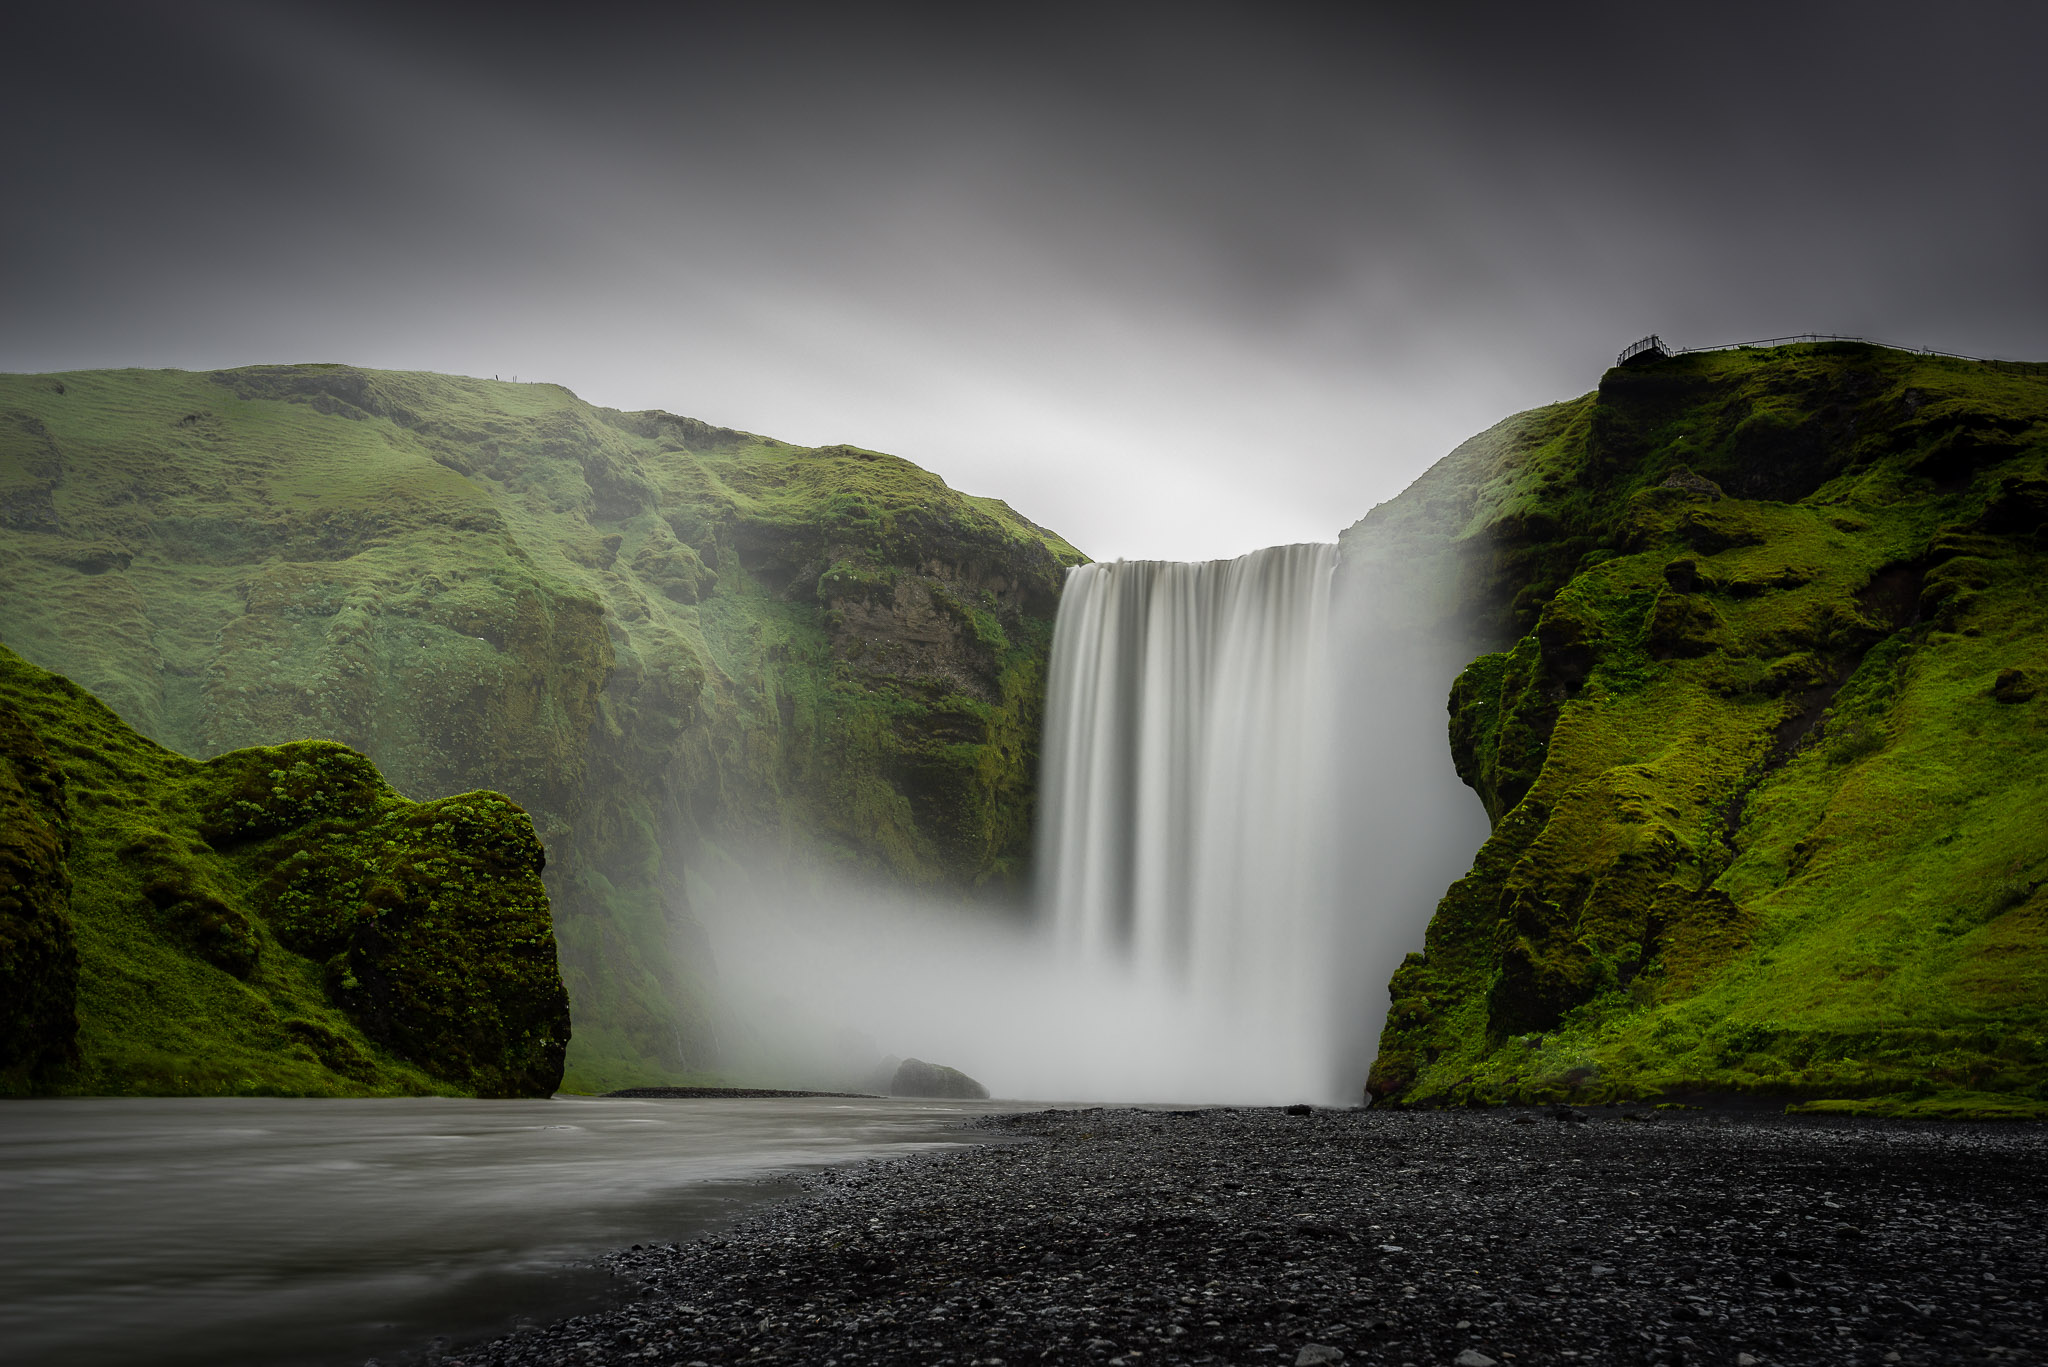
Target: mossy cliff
pixel 1761 734
pixel 674 644
pixel 274 921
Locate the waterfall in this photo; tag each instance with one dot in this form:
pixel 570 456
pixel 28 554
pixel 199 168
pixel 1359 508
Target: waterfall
pixel 1186 798
pixel 1230 863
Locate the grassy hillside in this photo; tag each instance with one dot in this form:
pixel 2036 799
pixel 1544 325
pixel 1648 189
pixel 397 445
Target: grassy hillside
pixel 669 642
pixel 1762 739
pixel 275 921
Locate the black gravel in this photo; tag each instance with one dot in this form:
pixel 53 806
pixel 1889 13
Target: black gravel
pixel 1140 1237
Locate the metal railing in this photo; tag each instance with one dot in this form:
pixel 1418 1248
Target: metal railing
pixel 1650 343
pixel 1657 344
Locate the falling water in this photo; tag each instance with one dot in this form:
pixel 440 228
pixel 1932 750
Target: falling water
pixel 1187 795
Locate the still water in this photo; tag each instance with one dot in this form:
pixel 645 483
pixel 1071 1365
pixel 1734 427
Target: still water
pixel 174 1231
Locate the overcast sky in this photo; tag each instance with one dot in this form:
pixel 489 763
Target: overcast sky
pixel 1175 281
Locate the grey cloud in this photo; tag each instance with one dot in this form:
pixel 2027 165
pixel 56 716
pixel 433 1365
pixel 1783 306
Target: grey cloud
pixel 1174 280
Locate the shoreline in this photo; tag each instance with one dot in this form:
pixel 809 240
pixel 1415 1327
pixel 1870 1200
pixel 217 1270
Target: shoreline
pixel 1257 1236
pixel 727 1094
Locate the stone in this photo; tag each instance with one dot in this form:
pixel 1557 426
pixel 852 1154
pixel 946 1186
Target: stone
pixel 917 1078
pixel 2014 685
pixel 1316 1354
pixel 1472 1357
pixel 1682 478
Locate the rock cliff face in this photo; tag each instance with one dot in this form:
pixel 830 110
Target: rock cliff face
pixel 1758 734
pixel 273 921
pixel 672 643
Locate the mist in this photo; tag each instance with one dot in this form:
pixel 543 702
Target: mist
pixel 1247 813
pixel 821 991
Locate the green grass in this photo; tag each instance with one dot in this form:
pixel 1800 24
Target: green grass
pixel 273 922
pixel 664 640
pixel 1762 822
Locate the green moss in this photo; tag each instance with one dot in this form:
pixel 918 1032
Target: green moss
pixel 1765 817
pixel 668 641
pixel 276 921
pixel 1934 1106
pixel 38 947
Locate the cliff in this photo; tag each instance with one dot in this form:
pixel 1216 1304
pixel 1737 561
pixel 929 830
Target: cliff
pixel 1759 730
pixel 675 645
pixel 274 921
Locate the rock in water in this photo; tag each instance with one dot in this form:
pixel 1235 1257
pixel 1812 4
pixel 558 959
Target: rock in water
pixel 918 1078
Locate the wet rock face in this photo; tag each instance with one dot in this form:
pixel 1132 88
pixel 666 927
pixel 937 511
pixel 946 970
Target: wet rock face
pixel 1254 1236
pixel 38 951
pixel 917 628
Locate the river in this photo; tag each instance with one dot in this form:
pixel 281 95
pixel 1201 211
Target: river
pixel 174 1231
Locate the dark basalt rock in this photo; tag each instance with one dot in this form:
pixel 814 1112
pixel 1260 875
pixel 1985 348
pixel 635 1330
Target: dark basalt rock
pixel 915 1077
pixel 2015 685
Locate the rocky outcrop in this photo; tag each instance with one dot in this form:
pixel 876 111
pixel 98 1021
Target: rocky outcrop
pixel 1753 732
pixel 677 646
pixel 915 1077
pixel 273 921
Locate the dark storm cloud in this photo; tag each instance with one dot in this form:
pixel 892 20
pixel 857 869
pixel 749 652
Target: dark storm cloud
pixel 1173 280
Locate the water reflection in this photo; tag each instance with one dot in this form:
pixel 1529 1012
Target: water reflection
pixel 325 1232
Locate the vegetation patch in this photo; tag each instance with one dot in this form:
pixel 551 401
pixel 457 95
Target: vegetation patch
pixel 1757 730
pixel 672 643
pixel 276 921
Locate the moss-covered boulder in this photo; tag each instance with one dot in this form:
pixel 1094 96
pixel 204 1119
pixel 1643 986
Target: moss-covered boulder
pixel 1754 727
pixel 676 645
pixel 275 921
pixel 433 927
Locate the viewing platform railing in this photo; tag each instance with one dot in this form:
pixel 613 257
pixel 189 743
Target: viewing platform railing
pixel 1656 344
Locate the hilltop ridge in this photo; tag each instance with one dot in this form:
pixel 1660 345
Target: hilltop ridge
pixel 675 644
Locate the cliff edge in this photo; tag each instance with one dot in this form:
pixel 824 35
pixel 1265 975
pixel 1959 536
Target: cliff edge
pixel 1760 733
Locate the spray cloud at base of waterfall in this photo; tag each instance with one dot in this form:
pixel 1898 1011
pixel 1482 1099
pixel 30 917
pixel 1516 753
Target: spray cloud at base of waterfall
pixel 1246 813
